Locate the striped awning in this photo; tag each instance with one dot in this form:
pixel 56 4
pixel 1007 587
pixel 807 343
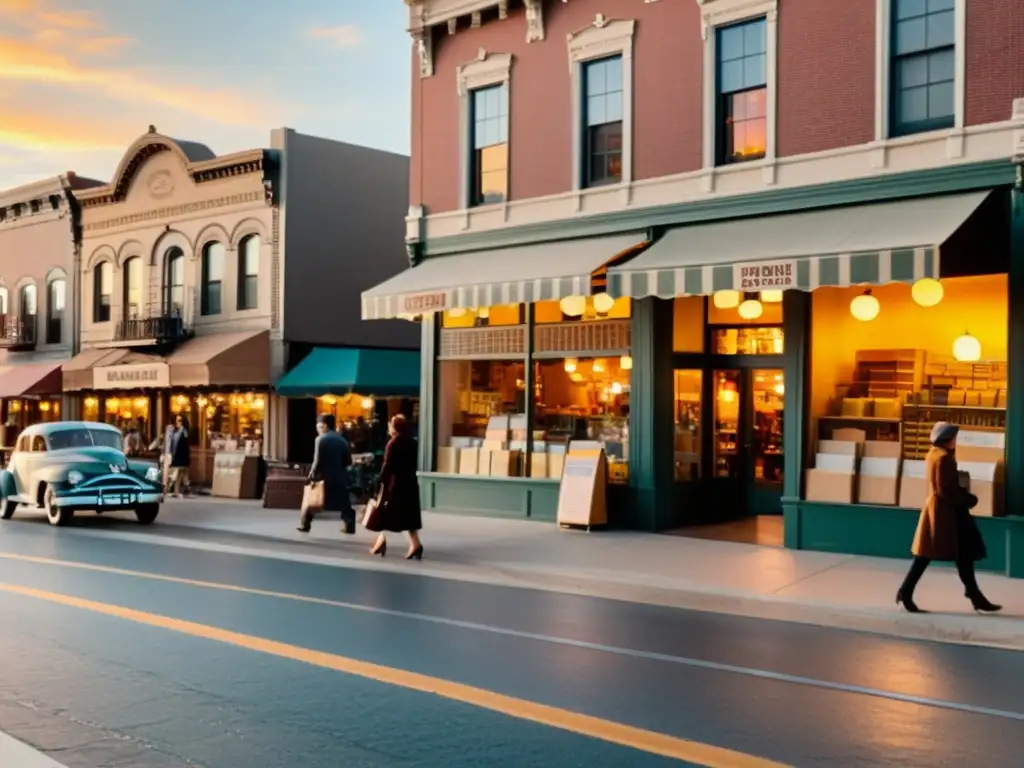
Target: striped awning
pixel 524 274
pixel 855 245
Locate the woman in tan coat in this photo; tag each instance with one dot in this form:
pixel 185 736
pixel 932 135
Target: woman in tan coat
pixel 946 529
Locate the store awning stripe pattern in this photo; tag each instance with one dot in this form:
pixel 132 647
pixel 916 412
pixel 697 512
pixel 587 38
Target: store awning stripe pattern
pixel 905 265
pixel 873 244
pixel 521 275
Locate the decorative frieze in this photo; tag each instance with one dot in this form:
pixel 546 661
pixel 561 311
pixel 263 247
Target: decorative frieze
pixel 175 211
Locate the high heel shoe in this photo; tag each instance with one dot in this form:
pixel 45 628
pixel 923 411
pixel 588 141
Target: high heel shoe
pixel 416 554
pixel 907 603
pixel 982 604
pixel 380 549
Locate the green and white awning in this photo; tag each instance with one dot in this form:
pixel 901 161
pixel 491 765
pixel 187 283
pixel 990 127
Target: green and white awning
pixel 524 274
pixel 855 245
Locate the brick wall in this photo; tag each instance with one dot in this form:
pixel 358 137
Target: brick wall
pixel 826 75
pixel 995 59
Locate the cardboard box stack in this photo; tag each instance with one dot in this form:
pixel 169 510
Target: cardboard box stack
pixel 982 456
pixel 835 467
pixel 879 478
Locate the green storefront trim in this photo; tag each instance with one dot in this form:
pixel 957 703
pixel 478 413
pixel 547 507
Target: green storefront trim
pixel 513 497
pixel 877 531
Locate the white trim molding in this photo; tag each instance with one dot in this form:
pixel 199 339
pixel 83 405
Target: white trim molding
pixel 600 39
pixel 721 13
pixel 955 136
pixel 486 70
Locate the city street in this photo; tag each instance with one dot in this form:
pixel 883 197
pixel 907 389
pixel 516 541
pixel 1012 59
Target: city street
pixel 125 653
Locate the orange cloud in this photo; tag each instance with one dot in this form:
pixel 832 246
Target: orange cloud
pixel 343 36
pixel 37 131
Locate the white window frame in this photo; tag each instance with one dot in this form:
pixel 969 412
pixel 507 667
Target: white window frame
pixel 723 13
pixel 489 69
pixel 883 78
pixel 600 40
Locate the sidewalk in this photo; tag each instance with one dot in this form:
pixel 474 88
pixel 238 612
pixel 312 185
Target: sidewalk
pixel 15 754
pixel 824 589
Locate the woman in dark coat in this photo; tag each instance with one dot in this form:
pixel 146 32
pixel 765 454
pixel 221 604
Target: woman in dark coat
pixel 946 529
pixel 400 490
pixel 332 457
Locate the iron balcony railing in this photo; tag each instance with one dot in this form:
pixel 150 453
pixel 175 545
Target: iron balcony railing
pixel 17 333
pixel 160 329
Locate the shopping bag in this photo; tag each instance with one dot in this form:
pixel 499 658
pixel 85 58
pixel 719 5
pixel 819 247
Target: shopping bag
pixel 373 516
pixel 313 497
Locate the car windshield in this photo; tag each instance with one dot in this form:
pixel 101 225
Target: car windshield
pixel 84 438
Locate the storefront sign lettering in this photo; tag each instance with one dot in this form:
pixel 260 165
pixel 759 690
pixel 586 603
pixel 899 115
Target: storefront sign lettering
pixel 758 275
pixel 132 376
pixel 424 302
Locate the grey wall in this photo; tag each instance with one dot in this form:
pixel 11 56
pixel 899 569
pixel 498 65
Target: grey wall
pixel 343 221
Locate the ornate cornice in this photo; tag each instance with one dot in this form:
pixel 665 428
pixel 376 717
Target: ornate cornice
pixel 176 211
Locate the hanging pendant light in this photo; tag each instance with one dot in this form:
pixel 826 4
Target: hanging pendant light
pixel 865 307
pixel 603 303
pixel 570 364
pixel 573 306
pixel 927 292
pixel 625 363
pixel 726 299
pixel 967 349
pixel 771 296
pixel 483 313
pixel 751 309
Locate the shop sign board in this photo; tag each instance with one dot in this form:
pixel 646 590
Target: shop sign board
pixel 582 495
pixel 419 303
pixel 759 275
pixel 135 376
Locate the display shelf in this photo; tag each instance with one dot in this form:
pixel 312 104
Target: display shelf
pixel 874 427
pixel 888 373
pixel 918 421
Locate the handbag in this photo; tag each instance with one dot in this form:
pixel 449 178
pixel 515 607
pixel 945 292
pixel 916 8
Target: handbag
pixel 313 497
pixel 373 516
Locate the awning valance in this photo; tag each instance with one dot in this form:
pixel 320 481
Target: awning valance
pixel 524 274
pixel 30 380
pixel 855 245
pixel 373 372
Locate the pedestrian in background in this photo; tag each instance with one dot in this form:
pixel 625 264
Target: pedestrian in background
pixel 132 440
pixel 332 457
pixel 399 502
pixel 181 456
pixel 946 529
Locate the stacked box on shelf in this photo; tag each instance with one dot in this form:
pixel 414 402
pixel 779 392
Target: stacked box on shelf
pixel 888 373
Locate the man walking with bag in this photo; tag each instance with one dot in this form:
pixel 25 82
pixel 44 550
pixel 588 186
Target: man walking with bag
pixel 328 477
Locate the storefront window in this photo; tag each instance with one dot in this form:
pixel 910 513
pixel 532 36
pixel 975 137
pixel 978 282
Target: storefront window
pixel 687 425
pixel 364 420
pixel 920 355
pixel 223 421
pixel 585 399
pixel 766 439
pixel 688 324
pixel 601 306
pixel 505 314
pixel 727 424
pixel 126 410
pixel 481 415
pixel 25 412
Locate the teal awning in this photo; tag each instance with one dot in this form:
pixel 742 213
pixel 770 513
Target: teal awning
pixel 370 372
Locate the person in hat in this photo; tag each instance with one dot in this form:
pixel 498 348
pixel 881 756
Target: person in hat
pixel 946 529
pixel 331 459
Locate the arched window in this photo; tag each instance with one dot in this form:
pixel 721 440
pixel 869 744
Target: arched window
pixel 102 291
pixel 56 299
pixel 174 282
pixel 213 277
pixel 249 272
pixel 132 288
pixel 27 309
pixel 3 300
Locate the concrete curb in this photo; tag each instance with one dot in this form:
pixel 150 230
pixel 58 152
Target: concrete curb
pixel 961 629
pixel 16 754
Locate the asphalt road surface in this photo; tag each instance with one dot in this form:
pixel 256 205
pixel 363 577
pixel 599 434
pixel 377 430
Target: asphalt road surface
pixel 121 653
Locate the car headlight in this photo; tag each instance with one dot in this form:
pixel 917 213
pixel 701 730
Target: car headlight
pixel 75 477
pixel 153 474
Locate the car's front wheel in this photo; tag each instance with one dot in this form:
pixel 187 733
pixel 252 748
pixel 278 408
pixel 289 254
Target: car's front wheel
pixel 54 514
pixel 146 513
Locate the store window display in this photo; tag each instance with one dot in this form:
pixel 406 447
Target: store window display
pixel 890 362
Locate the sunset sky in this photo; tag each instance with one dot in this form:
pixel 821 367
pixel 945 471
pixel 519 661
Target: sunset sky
pixel 81 79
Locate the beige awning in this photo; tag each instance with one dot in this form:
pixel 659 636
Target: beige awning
pixel 228 359
pixel 80 371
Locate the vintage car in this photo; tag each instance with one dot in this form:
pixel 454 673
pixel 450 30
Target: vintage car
pixel 67 466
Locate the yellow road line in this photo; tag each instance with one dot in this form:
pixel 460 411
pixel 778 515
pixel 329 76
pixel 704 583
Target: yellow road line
pixel 573 722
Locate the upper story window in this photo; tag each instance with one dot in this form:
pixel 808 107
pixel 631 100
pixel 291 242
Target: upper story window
pixel 490 145
pixel 923 66
pixel 602 108
pixel 742 91
pixel 132 272
pixel 28 308
pixel 56 299
pixel 213 277
pixel 3 300
pixel 174 282
pixel 249 272
pixel 102 291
